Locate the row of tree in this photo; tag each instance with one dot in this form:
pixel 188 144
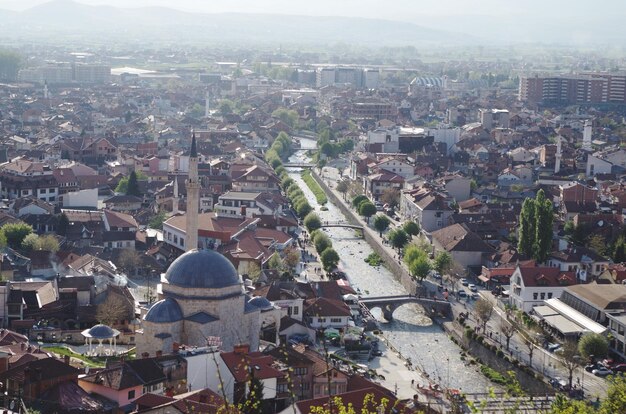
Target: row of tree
pixel 279 151
pixel 535 231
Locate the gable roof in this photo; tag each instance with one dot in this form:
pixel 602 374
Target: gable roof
pixel 457 237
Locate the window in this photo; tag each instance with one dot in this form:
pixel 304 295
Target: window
pixel 549 295
pixel 42 191
pixel 296 310
pixel 131 394
pixel 335 320
pixel 321 320
pixel 305 386
pixel 282 388
pixel 300 371
pixel 543 296
pixel 535 295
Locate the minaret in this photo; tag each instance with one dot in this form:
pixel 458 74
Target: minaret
pixel 557 163
pixel 46 92
pixel 587 132
pixel 175 196
pixel 207 105
pixel 193 195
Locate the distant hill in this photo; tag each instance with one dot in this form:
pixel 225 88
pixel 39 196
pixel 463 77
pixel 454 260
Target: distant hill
pixel 66 17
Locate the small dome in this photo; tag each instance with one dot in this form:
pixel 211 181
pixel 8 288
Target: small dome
pixel 100 332
pixel 202 269
pixel 164 311
pixel 261 303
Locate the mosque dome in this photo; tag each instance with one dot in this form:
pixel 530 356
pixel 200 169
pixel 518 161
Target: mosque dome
pixel 203 269
pixel 164 311
pixel 261 303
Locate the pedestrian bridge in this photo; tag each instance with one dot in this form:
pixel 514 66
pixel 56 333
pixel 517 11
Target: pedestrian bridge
pixel 388 304
pixel 341 224
pixel 298 165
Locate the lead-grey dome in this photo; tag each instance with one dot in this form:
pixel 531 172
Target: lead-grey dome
pixel 100 332
pixel 261 303
pixel 164 311
pixel 202 269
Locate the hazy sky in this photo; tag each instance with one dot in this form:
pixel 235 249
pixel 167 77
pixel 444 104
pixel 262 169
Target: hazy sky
pixel 408 10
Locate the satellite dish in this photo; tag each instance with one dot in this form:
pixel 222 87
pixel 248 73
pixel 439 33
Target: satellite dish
pixel 601 223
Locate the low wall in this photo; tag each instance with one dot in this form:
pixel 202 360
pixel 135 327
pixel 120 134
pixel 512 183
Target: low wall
pixel 370 236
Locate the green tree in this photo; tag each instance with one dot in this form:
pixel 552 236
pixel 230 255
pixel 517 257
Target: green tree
pixel 398 238
pixel 391 196
pixel 543 227
pixel 63 224
pixel 253 271
pixel 593 344
pixel 615 401
pixel 30 242
pixel 330 259
pixel 312 222
pixel 367 209
pixel 226 107
pixel 411 227
pixel 412 252
pixel 420 267
pixel 356 201
pixel 619 250
pixel 597 243
pixel 48 243
pixel 15 233
pixel 303 208
pixel 443 262
pixel 156 222
pixel 275 262
pixel 343 187
pixel 133 185
pixel 321 242
pixel 570 358
pixel 254 400
pixel 527 223
pixel 381 223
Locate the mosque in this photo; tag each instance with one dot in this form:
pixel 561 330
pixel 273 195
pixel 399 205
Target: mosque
pixel 202 297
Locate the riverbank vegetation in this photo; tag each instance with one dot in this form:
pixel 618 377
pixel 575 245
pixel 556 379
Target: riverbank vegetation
pixel 373 259
pixel 320 195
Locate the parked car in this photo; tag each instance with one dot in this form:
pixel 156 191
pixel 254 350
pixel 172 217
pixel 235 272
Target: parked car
pixel 475 296
pixel 379 206
pixel 473 287
pixel 558 383
pixel 553 347
pixel 377 353
pixel 601 372
pixel 619 368
pixel 464 282
pixel 462 294
pixel 590 367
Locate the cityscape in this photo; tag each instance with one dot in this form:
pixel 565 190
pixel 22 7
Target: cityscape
pixel 277 207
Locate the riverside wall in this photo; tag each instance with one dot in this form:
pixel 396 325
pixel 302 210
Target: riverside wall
pixel 370 236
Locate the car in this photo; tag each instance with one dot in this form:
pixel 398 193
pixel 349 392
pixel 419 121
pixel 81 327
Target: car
pixel 553 347
pixel 473 287
pixel 462 294
pixel 475 296
pixel 601 372
pixel 464 282
pixel 590 367
pixel 377 353
pixel 558 383
pixel 379 206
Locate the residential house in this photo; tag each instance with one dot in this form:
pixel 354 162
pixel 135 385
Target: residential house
pixel 376 184
pixel 466 247
pixel 255 179
pixel 28 205
pixel 532 285
pixel 586 263
pixel 24 178
pixel 250 204
pixel 457 186
pixel 122 202
pixel 425 206
pixel 120 230
pixel 326 313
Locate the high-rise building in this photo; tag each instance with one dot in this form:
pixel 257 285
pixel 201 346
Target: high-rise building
pixel 91 73
pixel 595 87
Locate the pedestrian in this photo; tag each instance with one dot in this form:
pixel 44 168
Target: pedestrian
pixel 412 382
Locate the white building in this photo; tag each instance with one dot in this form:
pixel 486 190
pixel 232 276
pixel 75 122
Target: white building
pixel 532 285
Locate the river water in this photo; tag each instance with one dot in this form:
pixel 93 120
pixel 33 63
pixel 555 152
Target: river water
pixel 411 331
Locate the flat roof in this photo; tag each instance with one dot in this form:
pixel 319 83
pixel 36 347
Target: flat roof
pixel 544 311
pixel 563 325
pixel 576 317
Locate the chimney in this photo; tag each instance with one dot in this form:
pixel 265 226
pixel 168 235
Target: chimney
pixel 241 349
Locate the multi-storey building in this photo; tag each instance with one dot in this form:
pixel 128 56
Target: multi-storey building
pixel 571 89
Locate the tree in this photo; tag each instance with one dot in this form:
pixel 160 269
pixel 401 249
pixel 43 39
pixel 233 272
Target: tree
pixel 483 310
pixel 321 242
pixel 157 221
pixel 291 258
pixel 356 201
pixel 391 196
pixel 398 238
pixel 226 107
pixel 367 209
pixel 15 233
pixel 412 252
pixel 531 342
pixel 543 227
pixel 411 227
pixel 253 271
pixel 615 401
pixel 330 259
pixel 129 260
pixel 343 187
pixel 112 310
pixel 527 228
pixel 619 250
pixel 275 262
pixel 597 243
pixel 30 242
pixel 507 330
pixel 133 185
pixel 303 208
pixel 569 358
pixel 254 400
pixel 63 224
pixel 443 262
pixel 381 223
pixel 593 345
pixel 312 222
pixel 420 267
pixel 48 243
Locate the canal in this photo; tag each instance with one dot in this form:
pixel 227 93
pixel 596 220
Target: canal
pixel 411 332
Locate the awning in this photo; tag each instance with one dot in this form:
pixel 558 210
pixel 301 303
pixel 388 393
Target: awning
pixel 563 325
pixel 544 311
pixel 483 278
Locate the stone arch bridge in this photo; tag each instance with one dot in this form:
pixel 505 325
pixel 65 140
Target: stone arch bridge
pixel 388 304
